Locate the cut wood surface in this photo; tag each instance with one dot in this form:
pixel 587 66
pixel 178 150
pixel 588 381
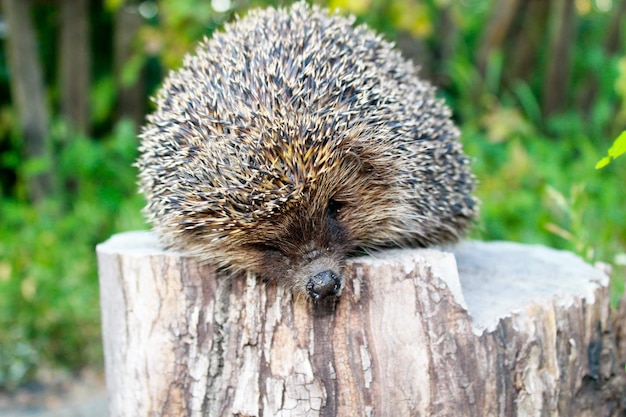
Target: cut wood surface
pixel 490 329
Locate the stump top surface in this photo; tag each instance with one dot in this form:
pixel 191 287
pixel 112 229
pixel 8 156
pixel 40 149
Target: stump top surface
pixel 500 278
pixel 139 242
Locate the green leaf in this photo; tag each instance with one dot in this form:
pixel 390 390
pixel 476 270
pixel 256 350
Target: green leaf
pixel 618 148
pixel 603 162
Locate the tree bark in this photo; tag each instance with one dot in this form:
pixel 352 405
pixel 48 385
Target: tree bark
pixel 496 30
pixel 562 37
pixel 528 41
pixel 493 329
pixel 446 41
pixel 28 94
pixel 75 64
pixel 612 41
pixel 611 47
pixel 130 97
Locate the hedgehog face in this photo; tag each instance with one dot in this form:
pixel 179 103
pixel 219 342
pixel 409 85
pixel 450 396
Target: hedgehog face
pixel 308 254
pixel 305 243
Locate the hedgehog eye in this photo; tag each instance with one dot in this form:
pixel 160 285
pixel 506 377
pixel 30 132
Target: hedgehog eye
pixel 334 207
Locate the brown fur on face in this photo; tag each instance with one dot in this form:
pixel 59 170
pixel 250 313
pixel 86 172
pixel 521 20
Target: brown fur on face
pixel 280 147
pixel 318 232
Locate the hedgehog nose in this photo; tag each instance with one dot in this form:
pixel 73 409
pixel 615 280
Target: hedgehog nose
pixel 323 284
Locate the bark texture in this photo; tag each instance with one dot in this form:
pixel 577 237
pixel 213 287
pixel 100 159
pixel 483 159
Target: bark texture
pixel 28 93
pixel 558 72
pixel 75 64
pixel 130 100
pixel 493 329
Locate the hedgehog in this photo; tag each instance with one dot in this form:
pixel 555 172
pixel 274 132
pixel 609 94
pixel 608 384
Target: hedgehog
pixel 293 139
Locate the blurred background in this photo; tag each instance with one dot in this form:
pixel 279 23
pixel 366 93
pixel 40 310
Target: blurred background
pixel 538 88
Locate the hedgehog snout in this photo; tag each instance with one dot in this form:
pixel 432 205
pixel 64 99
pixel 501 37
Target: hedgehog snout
pixel 324 284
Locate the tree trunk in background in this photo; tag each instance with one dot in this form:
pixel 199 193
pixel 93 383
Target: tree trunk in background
pixel 613 34
pixel 611 47
pixel 28 93
pixel 75 64
pixel 447 37
pixel 562 37
pixel 130 100
pixel 529 40
pixel 496 31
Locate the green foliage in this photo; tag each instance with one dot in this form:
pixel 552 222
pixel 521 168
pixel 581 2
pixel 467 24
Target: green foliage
pixel 49 311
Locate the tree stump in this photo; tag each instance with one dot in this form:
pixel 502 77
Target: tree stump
pixel 487 329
